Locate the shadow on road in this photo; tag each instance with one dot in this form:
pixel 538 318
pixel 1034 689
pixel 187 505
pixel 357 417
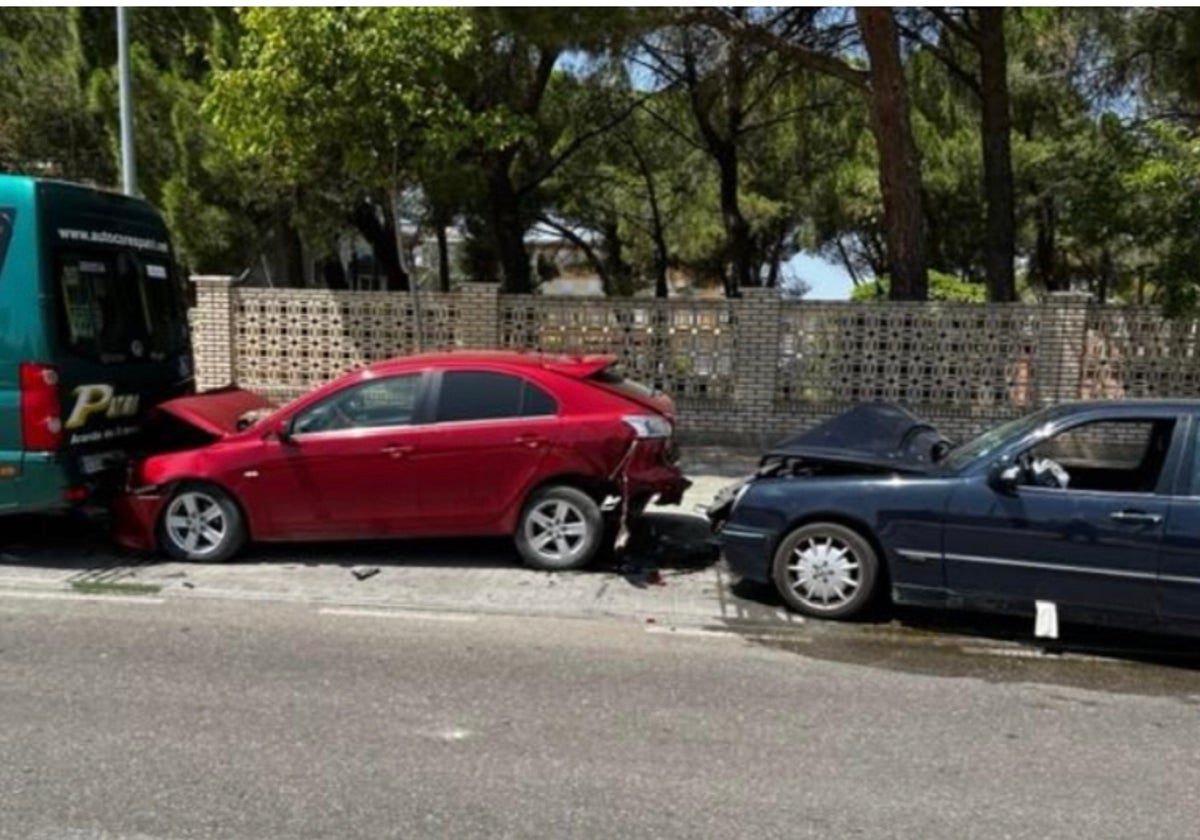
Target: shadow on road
pixel 658 541
pixel 58 541
pixel 996 648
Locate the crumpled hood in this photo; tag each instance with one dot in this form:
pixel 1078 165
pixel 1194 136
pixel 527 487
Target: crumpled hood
pixel 216 412
pixel 872 434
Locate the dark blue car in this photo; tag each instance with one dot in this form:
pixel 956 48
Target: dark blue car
pixel 1093 507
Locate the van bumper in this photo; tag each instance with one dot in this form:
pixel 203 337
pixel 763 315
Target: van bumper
pixel 37 480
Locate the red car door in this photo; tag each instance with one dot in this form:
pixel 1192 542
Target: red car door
pixel 490 433
pixel 346 468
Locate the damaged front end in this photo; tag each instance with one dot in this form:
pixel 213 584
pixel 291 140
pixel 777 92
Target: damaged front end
pixel 869 439
pixel 174 440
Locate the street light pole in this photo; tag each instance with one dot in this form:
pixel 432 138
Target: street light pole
pixel 128 165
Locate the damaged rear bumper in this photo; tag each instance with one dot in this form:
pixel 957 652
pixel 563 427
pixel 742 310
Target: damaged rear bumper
pixel 665 481
pixel 647 470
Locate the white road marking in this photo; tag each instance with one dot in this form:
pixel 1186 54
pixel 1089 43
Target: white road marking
pixel 30 595
pixel 411 615
pixel 789 638
pixel 667 630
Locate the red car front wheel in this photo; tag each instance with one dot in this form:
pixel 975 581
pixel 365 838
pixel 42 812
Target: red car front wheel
pixel 201 523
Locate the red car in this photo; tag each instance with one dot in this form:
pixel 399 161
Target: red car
pixel 539 447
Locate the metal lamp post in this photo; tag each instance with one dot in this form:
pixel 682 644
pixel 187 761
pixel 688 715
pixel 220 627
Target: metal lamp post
pixel 128 165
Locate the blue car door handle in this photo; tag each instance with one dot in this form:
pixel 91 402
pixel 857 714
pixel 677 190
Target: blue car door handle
pixel 1135 517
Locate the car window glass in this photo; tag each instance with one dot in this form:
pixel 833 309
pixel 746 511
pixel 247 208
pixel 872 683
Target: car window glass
pixel 1120 456
pixel 381 402
pixel 119 306
pixel 537 403
pixel 478 395
pixel 990 440
pixel 6 223
pixel 614 376
pixel 1196 459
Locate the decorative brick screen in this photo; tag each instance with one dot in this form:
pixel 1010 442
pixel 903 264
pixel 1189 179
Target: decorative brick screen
pixel 687 348
pixel 746 370
pixel 1134 352
pixel 288 341
pixel 935 355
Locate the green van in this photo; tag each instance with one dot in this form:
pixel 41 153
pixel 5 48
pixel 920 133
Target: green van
pixel 93 333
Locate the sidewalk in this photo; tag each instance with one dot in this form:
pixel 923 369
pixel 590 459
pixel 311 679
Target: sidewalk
pixel 671 575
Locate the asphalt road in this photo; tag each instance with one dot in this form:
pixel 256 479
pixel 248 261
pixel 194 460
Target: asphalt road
pixel 160 717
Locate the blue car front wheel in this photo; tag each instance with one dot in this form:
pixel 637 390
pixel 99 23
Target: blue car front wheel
pixel 826 570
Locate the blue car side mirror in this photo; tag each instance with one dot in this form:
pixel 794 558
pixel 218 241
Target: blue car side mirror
pixel 1005 477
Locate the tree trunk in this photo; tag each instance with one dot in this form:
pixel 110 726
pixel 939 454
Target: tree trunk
pixel 1045 264
pixel 737 229
pixel 293 257
pixel 775 257
pixel 377 224
pixel 899 170
pixel 741 244
pixel 662 286
pixel 443 249
pixel 997 157
pixel 1107 276
pixel 721 144
pixel 334 273
pixel 847 262
pixel 508 231
pixel 657 228
pixel 620 275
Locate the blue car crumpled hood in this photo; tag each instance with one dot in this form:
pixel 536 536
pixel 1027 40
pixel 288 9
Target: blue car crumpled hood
pixel 874 435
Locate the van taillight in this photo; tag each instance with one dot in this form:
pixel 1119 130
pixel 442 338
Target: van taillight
pixel 41 412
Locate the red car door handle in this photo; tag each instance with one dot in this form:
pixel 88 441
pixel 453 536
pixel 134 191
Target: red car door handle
pixel 1135 517
pixel 396 450
pixel 532 441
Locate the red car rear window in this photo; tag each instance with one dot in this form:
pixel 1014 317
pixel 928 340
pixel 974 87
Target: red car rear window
pixel 614 377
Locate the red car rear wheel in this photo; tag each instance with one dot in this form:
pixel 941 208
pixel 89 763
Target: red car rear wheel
pixel 560 528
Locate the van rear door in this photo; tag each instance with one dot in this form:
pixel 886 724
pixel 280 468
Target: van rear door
pixel 115 311
pixel 10 405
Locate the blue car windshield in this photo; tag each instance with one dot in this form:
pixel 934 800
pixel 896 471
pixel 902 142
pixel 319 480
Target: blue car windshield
pixel 988 442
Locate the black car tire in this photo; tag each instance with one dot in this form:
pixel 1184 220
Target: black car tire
pixel 839 566
pixel 201 523
pixel 560 528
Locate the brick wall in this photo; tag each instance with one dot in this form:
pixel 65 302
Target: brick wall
pixel 742 371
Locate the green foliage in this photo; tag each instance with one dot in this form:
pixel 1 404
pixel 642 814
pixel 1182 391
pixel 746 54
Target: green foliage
pixel 46 124
pixel 942 287
pixel 251 123
pixel 349 98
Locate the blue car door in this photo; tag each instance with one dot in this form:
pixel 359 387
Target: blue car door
pixel 1179 568
pixel 1093 544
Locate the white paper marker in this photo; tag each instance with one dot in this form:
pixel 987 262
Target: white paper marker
pixel 1046 624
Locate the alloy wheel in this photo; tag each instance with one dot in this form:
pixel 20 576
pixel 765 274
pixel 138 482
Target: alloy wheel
pixel 556 531
pixel 196 523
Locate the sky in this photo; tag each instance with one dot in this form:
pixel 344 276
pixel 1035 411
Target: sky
pixel 828 281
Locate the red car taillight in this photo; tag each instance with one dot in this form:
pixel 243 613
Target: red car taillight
pixel 41 412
